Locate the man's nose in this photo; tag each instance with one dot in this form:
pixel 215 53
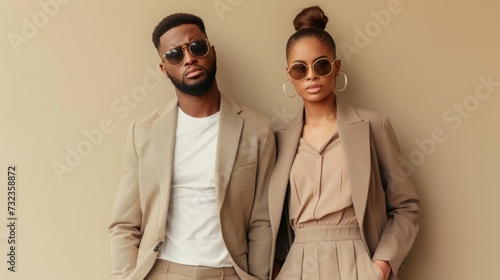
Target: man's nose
pixel 189 58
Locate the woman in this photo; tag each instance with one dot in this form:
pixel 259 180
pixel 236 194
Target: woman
pixel 336 182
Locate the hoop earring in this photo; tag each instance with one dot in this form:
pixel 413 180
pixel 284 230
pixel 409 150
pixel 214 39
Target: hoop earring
pixel 345 82
pixel 284 89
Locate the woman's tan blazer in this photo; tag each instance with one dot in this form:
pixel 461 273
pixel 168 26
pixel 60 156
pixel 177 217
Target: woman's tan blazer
pixel 244 160
pixel 386 204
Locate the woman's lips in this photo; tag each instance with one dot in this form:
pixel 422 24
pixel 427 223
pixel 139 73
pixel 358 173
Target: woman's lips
pixel 313 88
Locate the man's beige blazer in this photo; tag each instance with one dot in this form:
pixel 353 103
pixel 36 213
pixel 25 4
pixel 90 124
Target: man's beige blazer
pixel 386 204
pixel 244 161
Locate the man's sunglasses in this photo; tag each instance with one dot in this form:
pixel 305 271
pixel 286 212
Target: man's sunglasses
pixel 198 48
pixel 323 67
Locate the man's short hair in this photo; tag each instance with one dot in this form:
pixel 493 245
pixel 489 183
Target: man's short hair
pixel 175 20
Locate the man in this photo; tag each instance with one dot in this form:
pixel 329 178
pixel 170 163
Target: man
pixel 192 202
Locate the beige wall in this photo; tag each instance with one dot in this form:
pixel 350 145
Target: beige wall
pixel 74 68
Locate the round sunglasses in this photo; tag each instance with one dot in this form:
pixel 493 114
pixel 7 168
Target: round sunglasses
pixel 322 67
pixel 198 48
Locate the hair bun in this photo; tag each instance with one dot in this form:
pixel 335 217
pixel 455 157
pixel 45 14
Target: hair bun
pixel 312 17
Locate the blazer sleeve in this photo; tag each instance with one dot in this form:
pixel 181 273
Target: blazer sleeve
pixel 402 202
pixel 259 230
pixel 125 225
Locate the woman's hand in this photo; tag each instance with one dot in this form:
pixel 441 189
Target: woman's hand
pixel 384 268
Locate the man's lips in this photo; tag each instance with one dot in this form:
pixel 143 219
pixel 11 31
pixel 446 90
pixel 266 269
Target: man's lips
pixel 314 88
pixel 193 72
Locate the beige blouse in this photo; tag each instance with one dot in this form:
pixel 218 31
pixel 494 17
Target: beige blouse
pixel 320 191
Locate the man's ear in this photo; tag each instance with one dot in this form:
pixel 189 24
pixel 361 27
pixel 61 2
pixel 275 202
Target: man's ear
pixel 215 53
pixel 163 69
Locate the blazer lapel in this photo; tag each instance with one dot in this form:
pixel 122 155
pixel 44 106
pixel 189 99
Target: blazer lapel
pixel 354 133
pixel 163 141
pixel 288 141
pixel 228 139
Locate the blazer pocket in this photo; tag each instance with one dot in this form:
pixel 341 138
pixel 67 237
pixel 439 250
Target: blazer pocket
pixel 243 166
pixel 244 174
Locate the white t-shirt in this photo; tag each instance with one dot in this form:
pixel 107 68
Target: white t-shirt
pixel 193 234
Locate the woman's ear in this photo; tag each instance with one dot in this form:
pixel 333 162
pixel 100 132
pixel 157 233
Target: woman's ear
pixel 288 75
pixel 338 65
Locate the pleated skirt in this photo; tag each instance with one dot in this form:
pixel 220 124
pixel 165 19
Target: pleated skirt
pixel 329 253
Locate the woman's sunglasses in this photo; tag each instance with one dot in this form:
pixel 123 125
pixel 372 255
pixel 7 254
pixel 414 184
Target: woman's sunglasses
pixel 322 67
pixel 198 48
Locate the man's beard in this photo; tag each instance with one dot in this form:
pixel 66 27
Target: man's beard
pixel 199 88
